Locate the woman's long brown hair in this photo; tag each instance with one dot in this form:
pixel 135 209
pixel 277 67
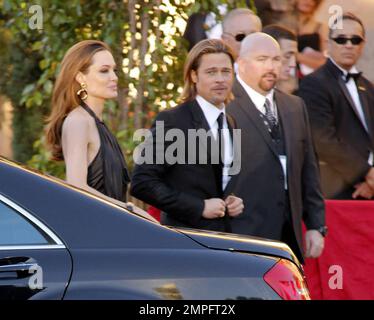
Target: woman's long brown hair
pixel 64 97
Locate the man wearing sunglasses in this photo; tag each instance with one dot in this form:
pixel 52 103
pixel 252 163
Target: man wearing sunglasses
pixel 340 103
pixel 236 25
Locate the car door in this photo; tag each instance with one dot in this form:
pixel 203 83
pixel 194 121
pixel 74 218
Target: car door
pixel 34 262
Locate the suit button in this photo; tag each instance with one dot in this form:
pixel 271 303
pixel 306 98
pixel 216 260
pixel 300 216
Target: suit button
pixel 280 204
pixel 281 177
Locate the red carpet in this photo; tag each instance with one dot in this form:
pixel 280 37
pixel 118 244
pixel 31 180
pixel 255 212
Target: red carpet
pixel 346 268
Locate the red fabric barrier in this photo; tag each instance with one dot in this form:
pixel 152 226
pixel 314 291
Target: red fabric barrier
pixel 348 257
pixel 154 212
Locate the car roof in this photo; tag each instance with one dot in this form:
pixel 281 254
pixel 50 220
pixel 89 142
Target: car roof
pixel 82 220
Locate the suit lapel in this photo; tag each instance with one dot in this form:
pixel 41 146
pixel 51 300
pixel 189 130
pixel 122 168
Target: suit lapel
pixel 200 122
pixel 236 88
pixel 343 87
pixel 333 69
pixel 232 125
pixel 365 105
pixel 198 117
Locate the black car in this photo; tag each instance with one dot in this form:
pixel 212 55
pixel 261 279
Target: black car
pixel 59 242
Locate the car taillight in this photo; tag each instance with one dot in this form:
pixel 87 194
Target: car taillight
pixel 287 281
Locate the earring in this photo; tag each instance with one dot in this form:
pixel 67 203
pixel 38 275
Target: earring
pixel 82 92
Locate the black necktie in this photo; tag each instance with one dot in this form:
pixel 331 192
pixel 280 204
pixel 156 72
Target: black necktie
pixel 354 76
pixel 221 148
pixel 269 114
pixel 221 139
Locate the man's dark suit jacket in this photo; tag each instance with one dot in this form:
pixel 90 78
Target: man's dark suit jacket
pixel 195 30
pixel 261 181
pixel 342 143
pixel 179 190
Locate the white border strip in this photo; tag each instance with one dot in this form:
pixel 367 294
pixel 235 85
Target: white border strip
pixel 32 247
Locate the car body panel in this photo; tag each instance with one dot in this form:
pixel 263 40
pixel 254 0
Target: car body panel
pixel 48 280
pixel 235 242
pixel 110 253
pixel 169 274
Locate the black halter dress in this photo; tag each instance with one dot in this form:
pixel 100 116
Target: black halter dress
pixel 108 171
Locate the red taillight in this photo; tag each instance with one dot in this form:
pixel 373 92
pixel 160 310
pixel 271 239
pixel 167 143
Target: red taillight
pixel 287 281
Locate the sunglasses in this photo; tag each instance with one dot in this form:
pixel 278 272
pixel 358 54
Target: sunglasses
pixel 355 40
pixel 238 37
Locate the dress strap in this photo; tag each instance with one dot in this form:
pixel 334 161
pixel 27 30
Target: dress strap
pixel 90 111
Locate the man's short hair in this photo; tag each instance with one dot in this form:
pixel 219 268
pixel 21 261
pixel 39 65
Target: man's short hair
pixel 235 13
pixel 279 32
pixel 346 16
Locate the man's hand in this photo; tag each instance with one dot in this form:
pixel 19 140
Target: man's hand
pixel 314 243
pixel 363 190
pixel 234 206
pixel 214 208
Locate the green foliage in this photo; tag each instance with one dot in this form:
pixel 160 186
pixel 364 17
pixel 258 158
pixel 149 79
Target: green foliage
pixel 19 68
pixel 41 160
pixel 146 39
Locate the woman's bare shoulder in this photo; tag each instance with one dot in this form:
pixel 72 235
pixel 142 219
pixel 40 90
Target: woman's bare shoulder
pixel 77 117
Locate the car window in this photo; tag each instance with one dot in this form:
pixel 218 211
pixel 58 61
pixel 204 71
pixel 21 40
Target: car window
pixel 16 230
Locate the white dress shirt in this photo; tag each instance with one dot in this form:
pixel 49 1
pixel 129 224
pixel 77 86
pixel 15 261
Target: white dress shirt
pixel 211 113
